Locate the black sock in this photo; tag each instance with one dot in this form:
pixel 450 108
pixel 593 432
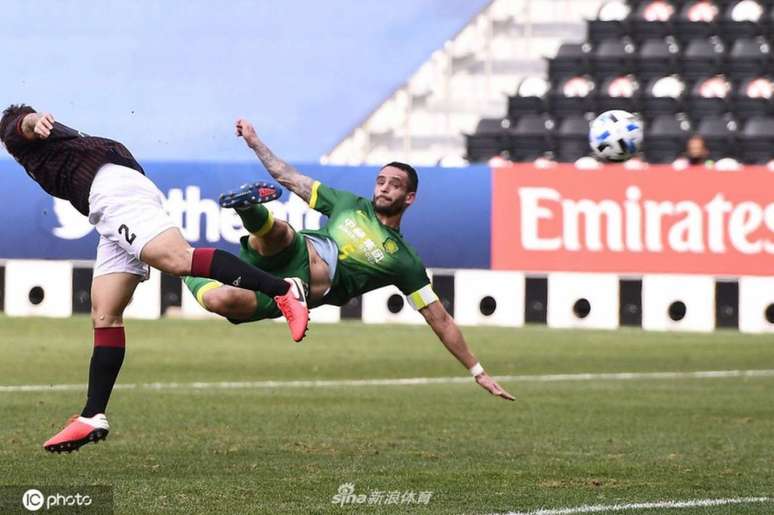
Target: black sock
pixel 106 360
pixel 229 269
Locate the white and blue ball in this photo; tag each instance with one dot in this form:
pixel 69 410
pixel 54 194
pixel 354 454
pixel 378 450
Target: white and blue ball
pixel 615 135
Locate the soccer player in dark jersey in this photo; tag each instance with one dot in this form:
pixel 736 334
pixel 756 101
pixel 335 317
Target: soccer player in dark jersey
pixel 103 181
pixel 358 250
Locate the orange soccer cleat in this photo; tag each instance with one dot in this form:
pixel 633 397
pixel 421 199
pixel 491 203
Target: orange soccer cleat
pixel 78 432
pixel 293 306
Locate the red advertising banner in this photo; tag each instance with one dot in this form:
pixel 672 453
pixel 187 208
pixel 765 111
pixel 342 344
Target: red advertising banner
pixel 653 220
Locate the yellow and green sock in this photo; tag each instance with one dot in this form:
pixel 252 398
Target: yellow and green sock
pixel 199 286
pixel 257 219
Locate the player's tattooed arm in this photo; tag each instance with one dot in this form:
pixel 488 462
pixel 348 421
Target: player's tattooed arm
pixel 37 125
pixel 285 173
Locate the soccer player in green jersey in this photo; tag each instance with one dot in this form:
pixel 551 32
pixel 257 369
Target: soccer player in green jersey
pixel 359 249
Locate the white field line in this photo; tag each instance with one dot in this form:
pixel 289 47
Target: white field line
pixel 413 381
pixel 602 508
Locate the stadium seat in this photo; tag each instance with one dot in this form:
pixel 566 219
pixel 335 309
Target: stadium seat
pixel 489 140
pixel 702 57
pixel 531 137
pixel 665 138
pixel 748 57
pixel 530 97
pixel 709 97
pixel 657 57
pixel 754 97
pixel 743 19
pixel 571 59
pixel 663 95
pixel 613 57
pixel 619 93
pixel 719 134
pixel 697 19
pixel 756 140
pixel 572 139
pixel 610 22
pixel 652 19
pixel 571 96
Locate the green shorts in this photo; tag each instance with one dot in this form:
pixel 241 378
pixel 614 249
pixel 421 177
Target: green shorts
pixel 293 261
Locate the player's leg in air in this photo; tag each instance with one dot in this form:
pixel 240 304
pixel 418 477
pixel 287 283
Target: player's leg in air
pixel 271 245
pixel 134 235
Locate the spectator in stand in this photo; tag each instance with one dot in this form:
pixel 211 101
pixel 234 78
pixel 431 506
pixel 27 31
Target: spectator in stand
pixel 696 151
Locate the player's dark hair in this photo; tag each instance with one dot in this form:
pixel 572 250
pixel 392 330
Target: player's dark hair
pixel 9 116
pixel 413 182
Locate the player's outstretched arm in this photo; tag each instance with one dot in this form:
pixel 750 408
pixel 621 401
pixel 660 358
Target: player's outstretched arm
pixel 450 335
pixel 284 173
pixel 37 125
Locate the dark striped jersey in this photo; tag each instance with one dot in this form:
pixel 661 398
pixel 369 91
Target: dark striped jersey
pixel 65 163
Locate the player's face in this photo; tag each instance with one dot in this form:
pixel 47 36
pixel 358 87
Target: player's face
pixel 391 195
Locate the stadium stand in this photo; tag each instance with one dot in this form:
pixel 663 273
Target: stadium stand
pixel 464 81
pixel 684 66
pixel 719 134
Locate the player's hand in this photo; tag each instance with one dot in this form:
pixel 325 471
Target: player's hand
pixel 44 125
pixel 245 129
pixel 491 386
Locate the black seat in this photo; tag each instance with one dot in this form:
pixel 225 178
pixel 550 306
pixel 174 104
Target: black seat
pixel 665 138
pixel 610 22
pixel 756 140
pixel 719 134
pixel 697 19
pixel 742 19
pixel 530 98
pixel 709 96
pixel 572 139
pixel 754 97
pixel 619 93
pixel 613 57
pixel 531 137
pixel 574 95
pixel 490 139
pixel 657 57
pixel 702 57
pixel 652 19
pixel 748 57
pixel 571 59
pixel 663 95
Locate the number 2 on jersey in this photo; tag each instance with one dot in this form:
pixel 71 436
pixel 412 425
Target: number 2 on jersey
pixel 125 231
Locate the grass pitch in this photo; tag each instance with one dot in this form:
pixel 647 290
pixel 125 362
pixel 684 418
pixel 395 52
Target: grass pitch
pixel 289 449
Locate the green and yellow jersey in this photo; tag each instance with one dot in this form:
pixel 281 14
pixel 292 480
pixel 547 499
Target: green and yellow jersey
pixel 371 254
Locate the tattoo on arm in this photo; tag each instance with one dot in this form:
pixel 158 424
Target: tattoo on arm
pixel 286 174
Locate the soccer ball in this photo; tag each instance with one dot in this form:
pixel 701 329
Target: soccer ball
pixel 615 135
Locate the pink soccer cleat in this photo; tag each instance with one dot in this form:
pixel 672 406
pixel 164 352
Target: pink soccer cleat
pixel 293 306
pixel 78 432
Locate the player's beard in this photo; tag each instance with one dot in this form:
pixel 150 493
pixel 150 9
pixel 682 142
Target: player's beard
pixel 395 207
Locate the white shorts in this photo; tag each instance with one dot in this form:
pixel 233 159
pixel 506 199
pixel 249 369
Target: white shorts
pixel 127 210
